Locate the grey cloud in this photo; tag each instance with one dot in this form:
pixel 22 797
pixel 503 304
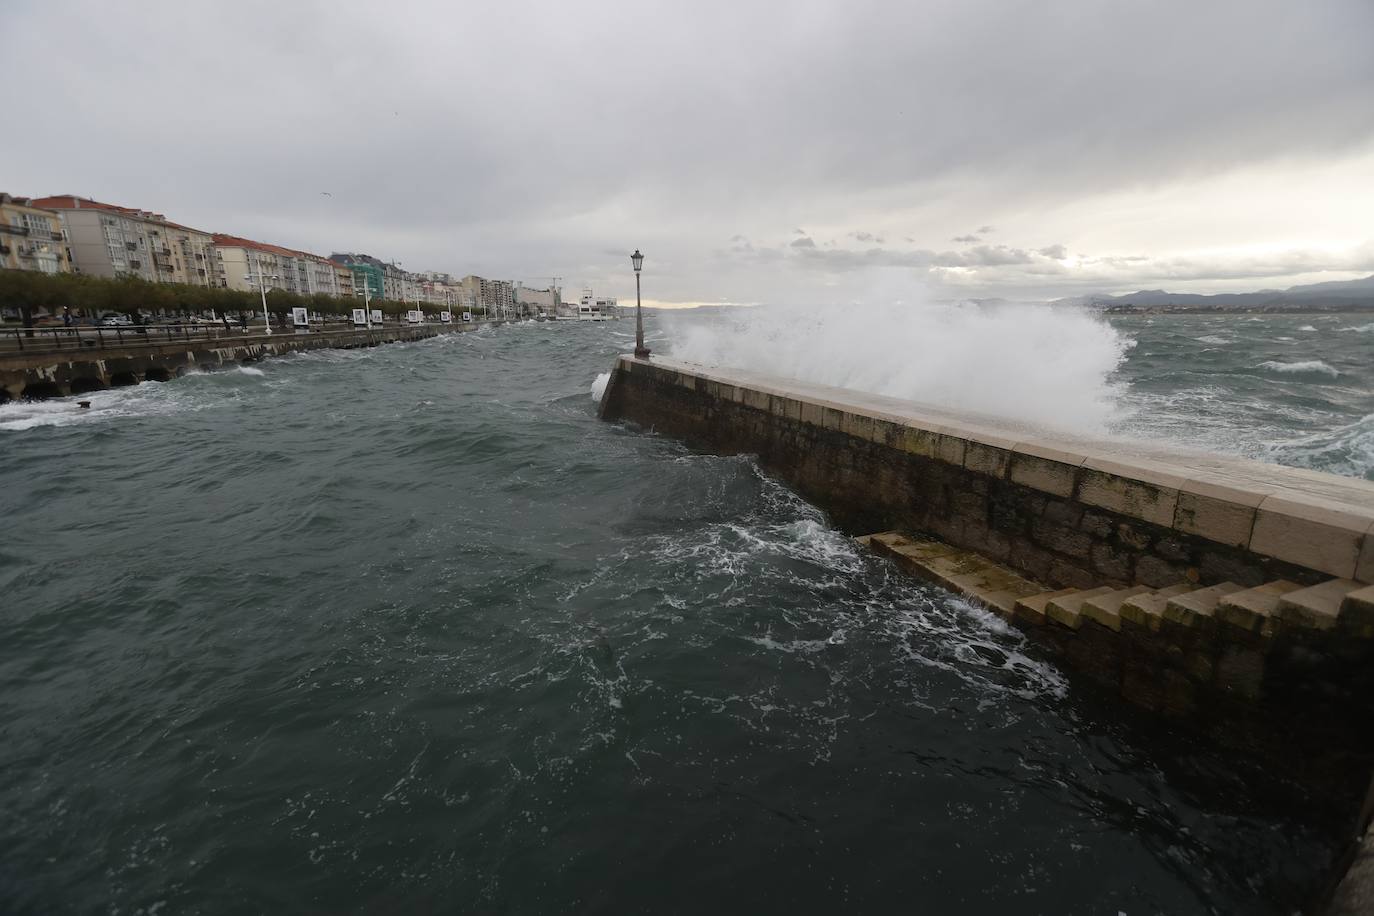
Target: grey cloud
pixel 803 242
pixel 966 239
pixel 984 230
pixel 1058 252
pixel 467 174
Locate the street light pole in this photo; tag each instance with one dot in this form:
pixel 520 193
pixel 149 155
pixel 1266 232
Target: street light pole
pixel 641 351
pixel 266 322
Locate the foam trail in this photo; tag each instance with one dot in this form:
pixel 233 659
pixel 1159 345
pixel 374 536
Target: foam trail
pixel 1044 365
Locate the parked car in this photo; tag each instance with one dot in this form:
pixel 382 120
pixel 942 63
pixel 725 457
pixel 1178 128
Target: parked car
pixel 116 321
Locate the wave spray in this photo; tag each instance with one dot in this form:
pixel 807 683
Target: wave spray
pixel 1045 365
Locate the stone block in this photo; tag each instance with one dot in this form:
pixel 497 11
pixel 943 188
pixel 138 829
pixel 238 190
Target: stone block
pixel 812 414
pixel 1151 570
pixel 1097 526
pixel 1240 672
pixel 1062 512
pixel 1214 515
pixel 1106 609
pixel 1066 608
pixel 1112 563
pixel 1133 537
pixel 1136 491
pixel 1067 541
pixel 1031 609
pixel 1310 533
pixel 1063 572
pixel 857 425
pixel 756 400
pixel 1045 469
pixel 1171 549
pixel 1316 607
pixel 986 459
pixel 1364 570
pixel 1254 610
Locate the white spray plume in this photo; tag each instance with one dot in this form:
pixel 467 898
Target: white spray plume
pixel 1045 365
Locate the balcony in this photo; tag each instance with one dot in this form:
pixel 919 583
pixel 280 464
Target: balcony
pixel 13 230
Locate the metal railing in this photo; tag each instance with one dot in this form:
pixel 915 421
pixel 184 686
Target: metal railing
pixel 100 337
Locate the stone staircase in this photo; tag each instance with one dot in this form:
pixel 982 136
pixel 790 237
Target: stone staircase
pixel 1343 605
pixel 1165 648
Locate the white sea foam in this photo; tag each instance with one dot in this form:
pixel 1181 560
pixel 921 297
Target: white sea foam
pixel 1213 339
pixel 599 386
pixel 1361 328
pixel 1310 366
pixel 250 370
pixel 1307 327
pixel 1044 365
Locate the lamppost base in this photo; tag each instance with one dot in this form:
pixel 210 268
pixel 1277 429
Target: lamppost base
pixel 641 352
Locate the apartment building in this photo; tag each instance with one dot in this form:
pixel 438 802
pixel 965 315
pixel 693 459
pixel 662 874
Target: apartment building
pixel 106 240
pixel 31 237
pixel 238 262
pixel 497 296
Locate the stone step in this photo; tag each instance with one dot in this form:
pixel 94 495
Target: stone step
pixel 1066 610
pixel 1106 609
pixel 1357 612
pixel 1032 609
pixel 961 571
pixel 1316 607
pixel 1194 609
pixel 1254 610
pixel 1147 610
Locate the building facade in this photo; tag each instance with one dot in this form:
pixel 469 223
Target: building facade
pixel 497 297
pixel 31 238
pixel 237 263
pixel 105 240
pixel 536 301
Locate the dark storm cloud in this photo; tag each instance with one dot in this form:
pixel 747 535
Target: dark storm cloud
pixel 803 242
pixel 535 138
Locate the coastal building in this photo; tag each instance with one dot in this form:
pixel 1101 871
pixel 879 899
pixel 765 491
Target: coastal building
pixel 106 240
pixel 496 297
pixel 368 274
pixel 343 279
pixel 237 260
pixel 532 301
pixel 31 237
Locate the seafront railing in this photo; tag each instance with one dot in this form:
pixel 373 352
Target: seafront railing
pixel 55 340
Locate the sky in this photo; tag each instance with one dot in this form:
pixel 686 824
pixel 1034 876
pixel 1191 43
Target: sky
pixel 812 153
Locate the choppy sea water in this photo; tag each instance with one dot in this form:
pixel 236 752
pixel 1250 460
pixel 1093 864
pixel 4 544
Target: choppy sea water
pixel 408 628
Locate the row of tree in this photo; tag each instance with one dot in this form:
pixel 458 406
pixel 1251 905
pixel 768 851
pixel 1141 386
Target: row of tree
pixel 32 293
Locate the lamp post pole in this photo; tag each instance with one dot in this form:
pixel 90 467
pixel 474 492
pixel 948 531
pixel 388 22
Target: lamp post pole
pixel 641 351
pixel 262 289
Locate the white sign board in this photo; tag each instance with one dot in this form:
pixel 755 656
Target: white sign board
pixel 413 316
pixel 467 316
pixel 446 317
pixel 300 318
pixel 376 316
pixel 359 318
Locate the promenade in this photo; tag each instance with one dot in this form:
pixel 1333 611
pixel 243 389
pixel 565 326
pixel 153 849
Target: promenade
pixel 54 362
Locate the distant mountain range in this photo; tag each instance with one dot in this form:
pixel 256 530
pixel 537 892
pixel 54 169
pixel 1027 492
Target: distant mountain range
pixel 1334 295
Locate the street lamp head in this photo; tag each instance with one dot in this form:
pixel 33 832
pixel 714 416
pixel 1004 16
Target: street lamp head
pixel 637 259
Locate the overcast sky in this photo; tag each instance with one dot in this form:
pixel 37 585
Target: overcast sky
pixel 800 152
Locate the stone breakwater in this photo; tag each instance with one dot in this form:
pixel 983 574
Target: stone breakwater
pixel 1229 595
pixel 43 374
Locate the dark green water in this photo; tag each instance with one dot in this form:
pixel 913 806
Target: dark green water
pixel 408 629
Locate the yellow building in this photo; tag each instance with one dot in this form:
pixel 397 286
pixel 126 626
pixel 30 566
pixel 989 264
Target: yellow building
pixel 31 237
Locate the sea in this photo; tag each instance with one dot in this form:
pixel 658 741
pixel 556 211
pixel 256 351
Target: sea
pixel 408 629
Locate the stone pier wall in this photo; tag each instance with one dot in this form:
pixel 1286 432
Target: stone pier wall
pixel 53 374
pixel 1064 511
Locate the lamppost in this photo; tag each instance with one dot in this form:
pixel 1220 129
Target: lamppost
pixel 641 351
pixel 266 322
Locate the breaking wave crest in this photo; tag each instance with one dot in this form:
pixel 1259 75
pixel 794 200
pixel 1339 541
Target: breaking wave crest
pixel 1309 366
pixel 1045 365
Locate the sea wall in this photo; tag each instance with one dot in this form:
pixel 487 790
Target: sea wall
pixel 53 373
pixel 1065 511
